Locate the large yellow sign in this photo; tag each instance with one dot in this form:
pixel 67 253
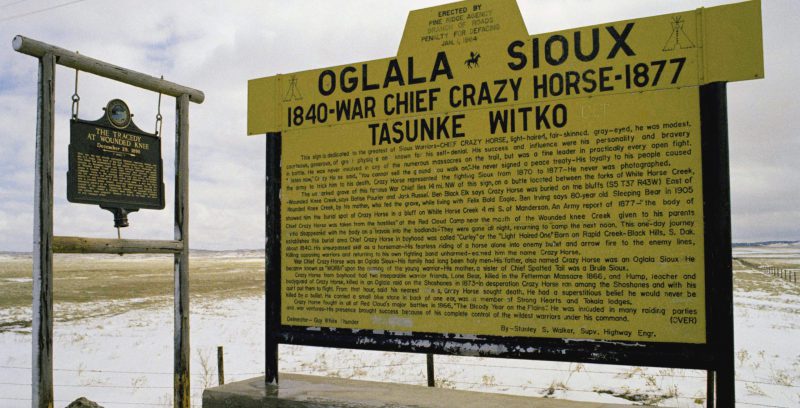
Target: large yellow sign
pixel 488 182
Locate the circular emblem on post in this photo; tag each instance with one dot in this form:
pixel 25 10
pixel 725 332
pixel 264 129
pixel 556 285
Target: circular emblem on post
pixel 118 113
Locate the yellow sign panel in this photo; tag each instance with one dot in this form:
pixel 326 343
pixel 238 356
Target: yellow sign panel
pixel 490 183
pixel 591 230
pixel 462 56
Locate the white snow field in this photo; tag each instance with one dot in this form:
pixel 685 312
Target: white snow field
pixel 118 352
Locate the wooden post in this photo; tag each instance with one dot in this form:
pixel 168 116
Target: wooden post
pixel 81 245
pixel 42 326
pixel 182 392
pixel 429 363
pixel 44 243
pixel 220 366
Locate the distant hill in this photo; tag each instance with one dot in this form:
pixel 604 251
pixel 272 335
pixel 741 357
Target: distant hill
pixel 220 251
pixel 766 243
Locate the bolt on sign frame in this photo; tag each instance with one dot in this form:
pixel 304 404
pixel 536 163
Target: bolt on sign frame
pixel 647 94
pixel 45 244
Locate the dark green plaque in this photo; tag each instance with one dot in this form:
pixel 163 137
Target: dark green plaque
pixel 113 163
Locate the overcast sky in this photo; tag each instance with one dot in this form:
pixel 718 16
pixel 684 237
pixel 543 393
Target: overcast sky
pixel 216 46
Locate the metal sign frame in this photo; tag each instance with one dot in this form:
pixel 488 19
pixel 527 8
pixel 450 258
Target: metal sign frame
pixel 715 356
pixel 45 244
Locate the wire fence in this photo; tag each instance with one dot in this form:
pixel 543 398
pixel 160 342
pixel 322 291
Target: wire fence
pixel 450 382
pixel 146 404
pixel 420 365
pixel 787 274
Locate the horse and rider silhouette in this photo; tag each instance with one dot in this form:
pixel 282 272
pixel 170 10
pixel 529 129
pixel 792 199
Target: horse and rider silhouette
pixel 472 61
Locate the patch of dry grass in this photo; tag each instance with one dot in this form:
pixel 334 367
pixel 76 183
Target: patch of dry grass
pixel 129 281
pixel 748 278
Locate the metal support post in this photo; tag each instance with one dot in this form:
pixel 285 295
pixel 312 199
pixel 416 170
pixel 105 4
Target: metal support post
pixel 272 247
pixel 716 175
pixel 711 389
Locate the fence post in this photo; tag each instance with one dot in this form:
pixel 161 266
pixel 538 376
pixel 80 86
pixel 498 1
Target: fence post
pixel 220 366
pixel 429 363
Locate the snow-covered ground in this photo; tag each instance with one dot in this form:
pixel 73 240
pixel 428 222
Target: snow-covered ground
pixel 126 359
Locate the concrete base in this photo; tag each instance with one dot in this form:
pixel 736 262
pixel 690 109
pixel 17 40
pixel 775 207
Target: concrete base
pixel 325 392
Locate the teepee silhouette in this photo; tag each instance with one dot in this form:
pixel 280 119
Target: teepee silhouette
pixel 292 92
pixel 678 39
